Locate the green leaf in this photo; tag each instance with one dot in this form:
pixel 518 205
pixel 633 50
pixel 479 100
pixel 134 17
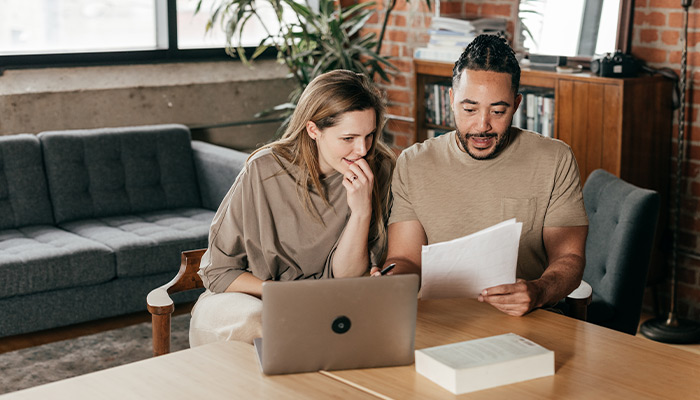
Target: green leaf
pixel 308 44
pixel 258 51
pixel 358 25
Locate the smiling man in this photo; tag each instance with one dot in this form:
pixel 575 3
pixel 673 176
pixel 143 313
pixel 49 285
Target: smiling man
pixel 485 172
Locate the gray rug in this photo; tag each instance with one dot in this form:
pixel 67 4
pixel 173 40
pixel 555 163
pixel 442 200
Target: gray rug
pixel 50 362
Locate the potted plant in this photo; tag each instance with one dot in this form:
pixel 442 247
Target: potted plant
pixel 311 42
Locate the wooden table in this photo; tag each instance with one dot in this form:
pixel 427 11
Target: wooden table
pixel 591 362
pixel 225 370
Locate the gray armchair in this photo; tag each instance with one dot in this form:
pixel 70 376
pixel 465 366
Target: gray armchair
pixel 622 222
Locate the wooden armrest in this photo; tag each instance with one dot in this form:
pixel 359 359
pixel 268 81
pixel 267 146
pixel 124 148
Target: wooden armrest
pixel 159 301
pixel 578 301
pixel 161 306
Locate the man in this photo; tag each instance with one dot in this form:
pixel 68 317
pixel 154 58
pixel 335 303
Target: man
pixel 486 172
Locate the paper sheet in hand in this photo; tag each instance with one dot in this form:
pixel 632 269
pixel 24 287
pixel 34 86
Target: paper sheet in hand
pixel 464 267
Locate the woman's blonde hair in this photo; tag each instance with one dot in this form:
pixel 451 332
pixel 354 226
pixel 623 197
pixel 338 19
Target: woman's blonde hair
pixel 324 101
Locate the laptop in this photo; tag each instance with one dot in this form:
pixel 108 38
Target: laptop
pixel 332 324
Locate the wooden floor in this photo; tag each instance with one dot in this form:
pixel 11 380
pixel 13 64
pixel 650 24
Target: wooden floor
pixel 17 342
pixel 11 343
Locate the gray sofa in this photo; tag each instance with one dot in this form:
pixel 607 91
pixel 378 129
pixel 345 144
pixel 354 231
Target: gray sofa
pixel 92 220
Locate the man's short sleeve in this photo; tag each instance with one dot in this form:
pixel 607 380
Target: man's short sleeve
pixel 566 206
pixel 402 209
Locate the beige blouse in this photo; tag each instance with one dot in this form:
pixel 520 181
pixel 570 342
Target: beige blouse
pixel 262 227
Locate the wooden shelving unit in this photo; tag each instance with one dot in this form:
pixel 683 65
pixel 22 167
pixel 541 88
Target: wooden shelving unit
pixel 621 125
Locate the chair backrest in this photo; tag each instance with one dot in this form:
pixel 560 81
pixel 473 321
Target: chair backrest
pixel 622 221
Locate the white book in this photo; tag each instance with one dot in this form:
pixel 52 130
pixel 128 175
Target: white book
pixel 531 109
pixel 484 363
pixel 451 24
pixel 469 24
pixel 446 44
pixel 440 33
pixel 448 54
pixel 438 113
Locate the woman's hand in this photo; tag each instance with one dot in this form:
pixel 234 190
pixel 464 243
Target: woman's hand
pixel 359 182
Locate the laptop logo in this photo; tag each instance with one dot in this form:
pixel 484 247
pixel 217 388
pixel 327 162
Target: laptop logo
pixel 341 325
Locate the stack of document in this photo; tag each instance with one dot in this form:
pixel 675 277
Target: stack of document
pixel 464 267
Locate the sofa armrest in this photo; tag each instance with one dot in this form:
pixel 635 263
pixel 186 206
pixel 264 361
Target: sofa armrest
pixel 217 168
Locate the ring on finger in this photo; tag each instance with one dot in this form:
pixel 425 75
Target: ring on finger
pixel 354 178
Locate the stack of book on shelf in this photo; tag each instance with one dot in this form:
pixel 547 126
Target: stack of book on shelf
pixel 437 105
pixel 450 36
pixel 536 111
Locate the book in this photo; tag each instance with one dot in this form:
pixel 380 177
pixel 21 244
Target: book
pixel 476 25
pixel 448 54
pixel 452 24
pixel 479 364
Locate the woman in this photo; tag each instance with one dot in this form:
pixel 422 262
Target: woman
pixel 311 205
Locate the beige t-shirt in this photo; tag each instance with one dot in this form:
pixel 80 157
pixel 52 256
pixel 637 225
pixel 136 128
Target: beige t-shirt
pixel 262 227
pixel 534 179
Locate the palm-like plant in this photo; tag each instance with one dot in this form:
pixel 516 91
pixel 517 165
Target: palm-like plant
pixel 310 43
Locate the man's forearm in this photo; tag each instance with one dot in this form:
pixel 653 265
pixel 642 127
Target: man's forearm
pixel 560 278
pixel 403 265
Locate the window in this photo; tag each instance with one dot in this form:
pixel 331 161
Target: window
pixel 570 28
pixel 191 27
pixel 55 32
pixel 51 26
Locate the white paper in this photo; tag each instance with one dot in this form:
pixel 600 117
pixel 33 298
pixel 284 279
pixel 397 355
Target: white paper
pixel 465 266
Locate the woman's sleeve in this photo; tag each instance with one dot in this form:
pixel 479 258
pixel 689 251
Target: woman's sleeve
pixel 375 245
pixel 378 245
pixel 232 235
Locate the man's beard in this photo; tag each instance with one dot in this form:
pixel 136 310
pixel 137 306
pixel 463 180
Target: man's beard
pixel 501 143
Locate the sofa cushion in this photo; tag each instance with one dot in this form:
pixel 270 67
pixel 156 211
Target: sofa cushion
pixel 116 171
pixel 24 197
pixel 148 243
pixel 40 258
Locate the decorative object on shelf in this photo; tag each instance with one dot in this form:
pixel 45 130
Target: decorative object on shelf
pixel 546 62
pixel 672 329
pixel 618 65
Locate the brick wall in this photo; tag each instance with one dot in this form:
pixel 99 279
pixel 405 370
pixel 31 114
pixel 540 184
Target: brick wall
pixel 656 40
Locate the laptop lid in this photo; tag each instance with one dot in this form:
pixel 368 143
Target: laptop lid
pixel 332 324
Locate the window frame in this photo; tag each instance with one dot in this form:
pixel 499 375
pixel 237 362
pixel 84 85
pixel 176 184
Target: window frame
pixel 166 35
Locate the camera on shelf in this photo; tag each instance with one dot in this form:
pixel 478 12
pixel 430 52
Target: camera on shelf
pixel 618 65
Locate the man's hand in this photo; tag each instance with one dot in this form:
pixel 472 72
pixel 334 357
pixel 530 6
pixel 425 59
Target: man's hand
pixel 566 252
pixel 514 299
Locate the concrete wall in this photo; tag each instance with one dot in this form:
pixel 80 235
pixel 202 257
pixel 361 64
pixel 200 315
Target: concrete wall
pixel 194 94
